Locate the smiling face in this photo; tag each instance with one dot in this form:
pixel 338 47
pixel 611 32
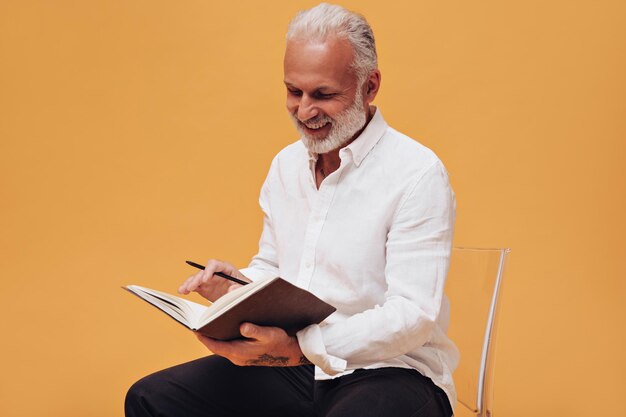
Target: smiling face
pixel 324 99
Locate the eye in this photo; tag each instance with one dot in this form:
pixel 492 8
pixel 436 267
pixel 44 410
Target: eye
pixel 294 92
pixel 323 96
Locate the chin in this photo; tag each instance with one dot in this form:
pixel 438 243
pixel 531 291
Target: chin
pixel 323 145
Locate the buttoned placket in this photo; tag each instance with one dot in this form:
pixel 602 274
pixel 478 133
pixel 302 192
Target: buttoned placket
pixel 322 200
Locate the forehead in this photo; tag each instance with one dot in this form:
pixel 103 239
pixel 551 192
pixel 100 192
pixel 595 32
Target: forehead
pixel 314 63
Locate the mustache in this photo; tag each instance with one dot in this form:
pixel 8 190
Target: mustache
pixel 314 122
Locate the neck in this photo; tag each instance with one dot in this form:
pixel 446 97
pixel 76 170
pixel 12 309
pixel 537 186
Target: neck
pixel 328 163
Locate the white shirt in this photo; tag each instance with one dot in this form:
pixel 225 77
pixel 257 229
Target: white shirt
pixel 374 241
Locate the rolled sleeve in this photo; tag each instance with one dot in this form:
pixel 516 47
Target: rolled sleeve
pixel 313 347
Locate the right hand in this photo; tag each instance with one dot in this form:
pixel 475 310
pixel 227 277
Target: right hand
pixel 212 286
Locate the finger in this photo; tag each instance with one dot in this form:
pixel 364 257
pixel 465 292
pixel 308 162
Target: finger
pixel 233 286
pixel 183 287
pixel 212 266
pixel 193 282
pixel 215 265
pixel 198 281
pixel 216 346
pixel 252 331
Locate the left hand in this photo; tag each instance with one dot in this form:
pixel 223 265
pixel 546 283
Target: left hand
pixel 262 346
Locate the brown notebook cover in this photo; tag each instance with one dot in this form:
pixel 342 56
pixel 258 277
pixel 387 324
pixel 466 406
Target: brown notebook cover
pixel 279 304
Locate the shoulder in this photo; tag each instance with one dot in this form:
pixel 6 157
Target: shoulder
pixel 406 156
pixel 293 151
pixel 421 178
pixel 289 160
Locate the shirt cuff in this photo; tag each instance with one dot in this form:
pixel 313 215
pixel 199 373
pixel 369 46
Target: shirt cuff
pixel 256 274
pixel 312 346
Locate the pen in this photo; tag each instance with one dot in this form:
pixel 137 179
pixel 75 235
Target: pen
pixel 219 274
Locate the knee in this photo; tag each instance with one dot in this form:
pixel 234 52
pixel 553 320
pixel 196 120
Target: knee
pixel 141 396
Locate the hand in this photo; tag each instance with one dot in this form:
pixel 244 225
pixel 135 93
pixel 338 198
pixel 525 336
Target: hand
pixel 212 286
pixel 263 346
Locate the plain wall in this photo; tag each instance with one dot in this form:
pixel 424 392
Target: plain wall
pixel 135 135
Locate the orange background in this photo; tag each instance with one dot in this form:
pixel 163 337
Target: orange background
pixel 136 134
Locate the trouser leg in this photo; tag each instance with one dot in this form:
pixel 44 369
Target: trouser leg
pixel 214 387
pixel 392 392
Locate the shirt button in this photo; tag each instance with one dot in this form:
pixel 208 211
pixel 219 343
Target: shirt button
pixel 307 265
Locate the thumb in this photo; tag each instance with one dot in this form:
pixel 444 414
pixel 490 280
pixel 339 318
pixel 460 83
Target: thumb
pixel 233 286
pixel 251 331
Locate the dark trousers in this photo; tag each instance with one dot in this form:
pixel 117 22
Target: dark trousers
pixel 214 387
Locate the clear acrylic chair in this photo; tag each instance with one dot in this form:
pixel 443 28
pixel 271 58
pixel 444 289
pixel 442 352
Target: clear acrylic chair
pixel 473 287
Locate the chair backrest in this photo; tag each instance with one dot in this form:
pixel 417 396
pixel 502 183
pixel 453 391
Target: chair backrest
pixel 473 285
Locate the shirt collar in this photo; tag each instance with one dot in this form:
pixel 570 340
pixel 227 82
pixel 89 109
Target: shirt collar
pixel 365 142
pixel 361 146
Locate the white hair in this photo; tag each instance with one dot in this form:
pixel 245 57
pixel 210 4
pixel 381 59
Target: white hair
pixel 327 19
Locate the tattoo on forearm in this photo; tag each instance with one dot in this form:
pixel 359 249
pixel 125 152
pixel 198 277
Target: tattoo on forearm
pixel 269 360
pixel 304 361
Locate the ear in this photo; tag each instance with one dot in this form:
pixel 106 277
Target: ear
pixel 372 85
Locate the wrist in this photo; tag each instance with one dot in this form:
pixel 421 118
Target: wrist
pixel 297 357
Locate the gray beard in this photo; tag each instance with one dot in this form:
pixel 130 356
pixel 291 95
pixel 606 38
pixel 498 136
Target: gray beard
pixel 342 129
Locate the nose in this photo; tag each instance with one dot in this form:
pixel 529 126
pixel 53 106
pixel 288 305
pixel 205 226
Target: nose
pixel 307 108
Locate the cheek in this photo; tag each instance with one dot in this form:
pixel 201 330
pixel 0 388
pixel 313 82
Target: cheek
pixel 333 111
pixel 291 104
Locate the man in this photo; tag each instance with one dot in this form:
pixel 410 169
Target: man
pixel 358 214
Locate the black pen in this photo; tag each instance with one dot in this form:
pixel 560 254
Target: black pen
pixel 219 274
